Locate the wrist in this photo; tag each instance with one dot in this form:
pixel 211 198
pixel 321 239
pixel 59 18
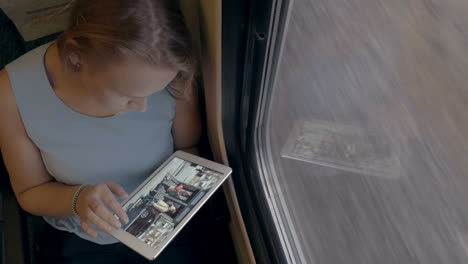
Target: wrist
pixel 76 195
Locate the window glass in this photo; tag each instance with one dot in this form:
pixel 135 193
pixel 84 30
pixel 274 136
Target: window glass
pixel 367 131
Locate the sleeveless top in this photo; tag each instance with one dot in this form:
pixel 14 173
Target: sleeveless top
pixel 77 149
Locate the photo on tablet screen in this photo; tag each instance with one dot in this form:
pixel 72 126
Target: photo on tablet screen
pixel 158 207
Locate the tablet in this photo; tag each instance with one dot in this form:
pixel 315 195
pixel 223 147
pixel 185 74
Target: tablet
pixel 162 205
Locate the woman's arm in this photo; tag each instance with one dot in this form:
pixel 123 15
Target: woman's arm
pixel 33 186
pixel 186 128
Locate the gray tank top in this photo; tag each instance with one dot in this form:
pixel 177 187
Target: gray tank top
pixel 77 148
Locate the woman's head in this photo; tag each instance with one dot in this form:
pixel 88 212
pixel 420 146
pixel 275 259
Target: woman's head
pixel 126 50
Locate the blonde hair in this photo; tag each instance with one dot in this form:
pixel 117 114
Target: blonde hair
pixel 152 31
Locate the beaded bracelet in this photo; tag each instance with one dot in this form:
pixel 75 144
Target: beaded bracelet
pixel 75 198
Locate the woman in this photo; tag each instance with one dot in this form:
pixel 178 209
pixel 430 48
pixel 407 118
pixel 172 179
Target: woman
pixel 92 114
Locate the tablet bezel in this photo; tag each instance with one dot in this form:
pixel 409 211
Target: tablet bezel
pixel 150 252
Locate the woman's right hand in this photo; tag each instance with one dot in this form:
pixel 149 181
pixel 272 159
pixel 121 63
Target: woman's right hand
pixel 93 206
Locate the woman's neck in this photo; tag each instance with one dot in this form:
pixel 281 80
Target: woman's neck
pixel 61 80
pixel 68 86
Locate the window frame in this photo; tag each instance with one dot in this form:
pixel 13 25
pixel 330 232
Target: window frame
pixel 252 38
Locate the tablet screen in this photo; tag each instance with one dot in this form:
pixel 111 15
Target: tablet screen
pixel 161 204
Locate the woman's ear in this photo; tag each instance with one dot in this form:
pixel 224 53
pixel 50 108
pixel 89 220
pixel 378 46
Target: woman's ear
pixel 74 58
pixel 75 61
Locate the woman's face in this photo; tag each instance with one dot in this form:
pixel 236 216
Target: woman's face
pixel 125 86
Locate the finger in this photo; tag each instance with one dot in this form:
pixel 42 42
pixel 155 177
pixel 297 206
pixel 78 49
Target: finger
pixel 117 189
pixel 88 229
pixel 102 218
pixel 110 201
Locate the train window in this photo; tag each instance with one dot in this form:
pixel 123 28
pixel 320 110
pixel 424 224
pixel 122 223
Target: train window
pixel 344 123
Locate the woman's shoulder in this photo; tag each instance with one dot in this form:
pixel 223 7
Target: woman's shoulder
pixel 9 116
pixel 8 107
pixel 27 65
pixel 6 93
